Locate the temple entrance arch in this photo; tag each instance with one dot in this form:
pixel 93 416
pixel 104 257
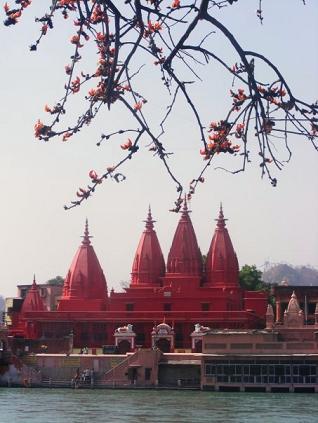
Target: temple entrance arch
pixel 123 346
pixel 162 337
pixel 163 345
pixel 198 346
pixel 196 337
pixel 125 339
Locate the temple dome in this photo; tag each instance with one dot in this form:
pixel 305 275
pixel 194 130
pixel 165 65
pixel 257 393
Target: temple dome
pixel 148 265
pixel 222 267
pixel 293 305
pixel 184 256
pixel 85 279
pixel 33 300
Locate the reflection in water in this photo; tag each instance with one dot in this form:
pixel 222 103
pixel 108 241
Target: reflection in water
pixel 143 406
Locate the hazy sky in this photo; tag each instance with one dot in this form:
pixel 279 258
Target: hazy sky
pixel 37 179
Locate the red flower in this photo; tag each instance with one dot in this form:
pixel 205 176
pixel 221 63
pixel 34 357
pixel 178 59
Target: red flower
pixel 66 136
pixel 38 128
pixel 68 69
pixel 138 105
pixel 127 145
pixel 92 174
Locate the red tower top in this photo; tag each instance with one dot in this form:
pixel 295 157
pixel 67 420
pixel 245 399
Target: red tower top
pixel 184 256
pixel 221 265
pixel 33 300
pixel 148 265
pixel 85 279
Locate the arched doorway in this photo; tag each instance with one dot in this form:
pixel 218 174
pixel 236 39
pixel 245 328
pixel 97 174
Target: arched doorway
pixel 163 344
pixel 123 346
pixel 198 347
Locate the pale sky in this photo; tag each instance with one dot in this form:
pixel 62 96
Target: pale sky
pixel 37 179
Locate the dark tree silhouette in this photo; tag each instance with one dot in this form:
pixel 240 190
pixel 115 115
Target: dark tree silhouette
pixel 176 35
pixel 58 281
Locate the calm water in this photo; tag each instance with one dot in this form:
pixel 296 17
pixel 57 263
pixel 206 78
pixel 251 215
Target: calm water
pixel 82 406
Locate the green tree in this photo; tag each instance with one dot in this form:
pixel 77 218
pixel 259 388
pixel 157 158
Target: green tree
pixel 251 278
pixel 58 280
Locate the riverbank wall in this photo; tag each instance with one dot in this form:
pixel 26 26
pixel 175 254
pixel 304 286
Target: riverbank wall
pixel 152 369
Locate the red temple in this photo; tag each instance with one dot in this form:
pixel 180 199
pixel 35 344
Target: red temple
pixel 162 298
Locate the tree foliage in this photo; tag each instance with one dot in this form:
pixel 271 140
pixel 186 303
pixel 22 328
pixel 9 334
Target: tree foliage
pixel 58 281
pixel 175 36
pixel 251 278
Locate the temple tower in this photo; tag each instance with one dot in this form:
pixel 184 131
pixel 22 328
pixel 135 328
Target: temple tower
pixel 222 269
pixel 148 265
pixel 33 300
pixel 184 259
pixel 85 285
pixel 293 315
pixel 32 303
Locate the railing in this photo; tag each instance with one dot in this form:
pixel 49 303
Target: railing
pixel 123 364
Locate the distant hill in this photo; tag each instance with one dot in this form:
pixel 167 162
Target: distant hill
pixel 292 275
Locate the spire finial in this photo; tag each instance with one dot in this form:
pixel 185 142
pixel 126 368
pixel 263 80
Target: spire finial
pixel 185 210
pixel 86 237
pixel 34 281
pixel 149 221
pixel 185 203
pixel 220 220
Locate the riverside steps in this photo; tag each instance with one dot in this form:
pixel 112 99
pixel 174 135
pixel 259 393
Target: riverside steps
pixel 151 369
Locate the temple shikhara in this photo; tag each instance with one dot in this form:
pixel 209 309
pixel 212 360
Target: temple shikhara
pixel 182 322
pixel 161 306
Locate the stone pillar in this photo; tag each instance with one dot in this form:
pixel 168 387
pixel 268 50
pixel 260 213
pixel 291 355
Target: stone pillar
pixel 278 312
pixel 269 317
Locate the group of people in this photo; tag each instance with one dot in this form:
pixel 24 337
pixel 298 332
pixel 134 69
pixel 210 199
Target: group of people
pixel 84 377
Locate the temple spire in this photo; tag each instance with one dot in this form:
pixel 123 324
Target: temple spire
pixel 85 286
pixel 184 256
pixel 86 237
pixel 221 264
pixel 185 210
pixel 149 221
pixel 185 205
pixel 148 265
pixel 33 300
pixel 220 220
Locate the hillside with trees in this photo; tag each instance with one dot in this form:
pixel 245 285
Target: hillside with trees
pixel 291 275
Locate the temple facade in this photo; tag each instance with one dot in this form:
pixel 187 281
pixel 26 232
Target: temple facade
pixel 163 302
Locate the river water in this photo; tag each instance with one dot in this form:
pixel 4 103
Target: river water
pixel 25 405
